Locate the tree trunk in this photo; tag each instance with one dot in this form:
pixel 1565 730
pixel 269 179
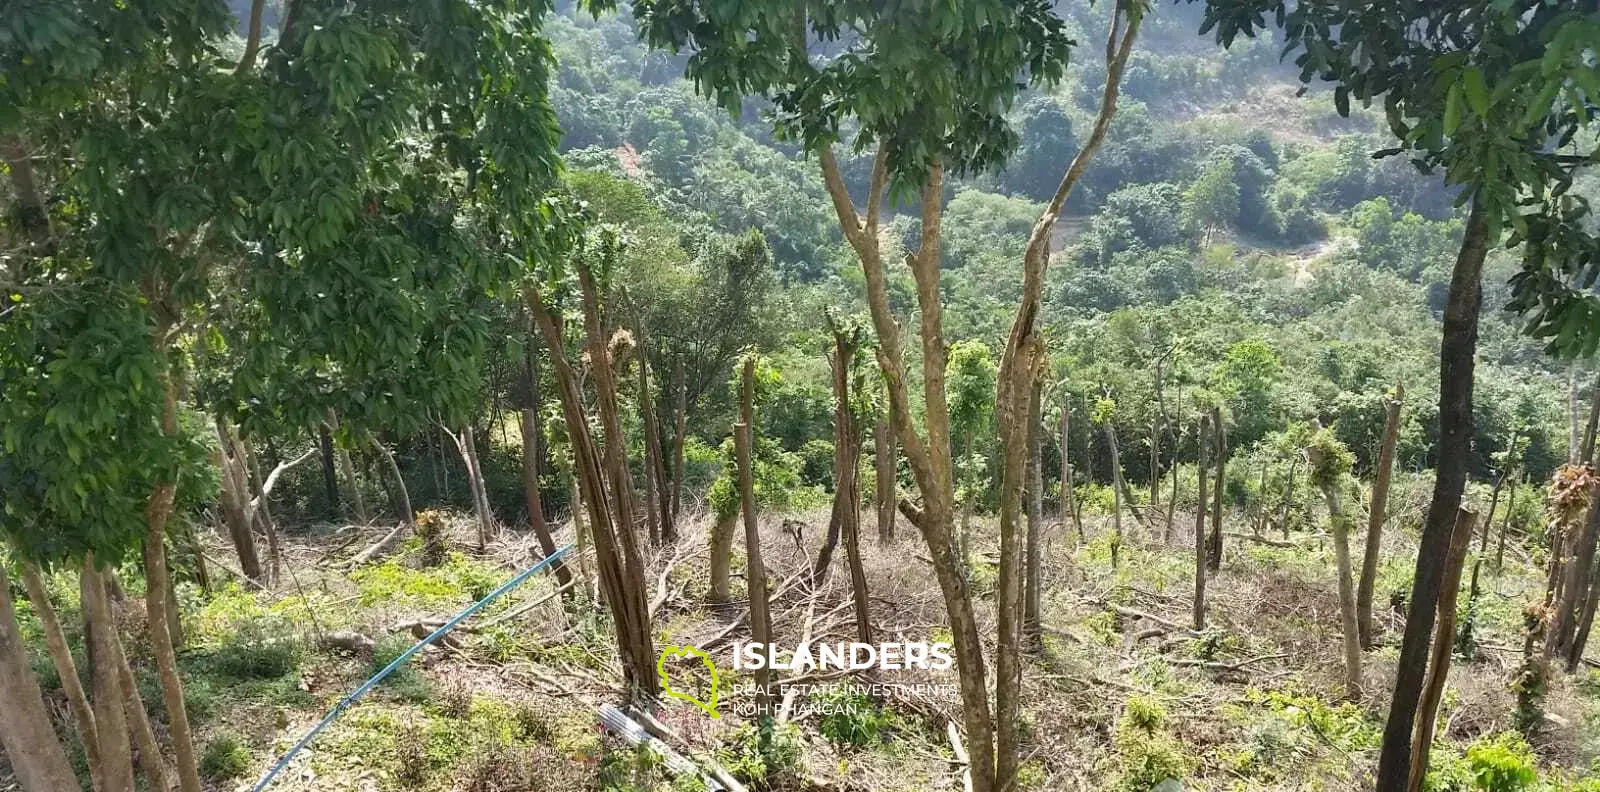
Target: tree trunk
pixel 1586 453
pixel 1377 513
pixel 67 669
pixel 1202 438
pixel 1580 641
pixel 928 452
pixel 32 214
pixel 115 771
pixel 1505 524
pixel 144 736
pixel 330 477
pixel 1443 641
pixel 1068 491
pixel 347 471
pixel 846 450
pixel 402 494
pixel 755 570
pixel 532 452
pixel 621 570
pixel 1347 595
pixel 1575 591
pixel 1574 441
pixel 1117 490
pixel 1288 497
pixel 886 492
pixel 157 584
pixel 1172 498
pixel 1457 355
pixel 658 501
pixel 36 756
pixel 679 434
pixel 1032 552
pixel 721 553
pixel 467 447
pixel 235 512
pixel 1220 451
pixel 581 534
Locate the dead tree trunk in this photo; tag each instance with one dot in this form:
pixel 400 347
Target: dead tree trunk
pixel 846 450
pixel 659 500
pixel 755 570
pixel 1202 438
pixel 721 551
pixel 36 756
pixel 1068 490
pixel 1575 591
pixel 1032 552
pixel 467 447
pixel 1457 356
pixel 1377 513
pixel 886 492
pixel 531 453
pixel 621 570
pixel 1118 489
pixel 1340 526
pixel 1443 642
pixel 1220 451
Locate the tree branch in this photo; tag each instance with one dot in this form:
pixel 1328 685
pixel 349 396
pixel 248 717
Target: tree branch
pixel 252 41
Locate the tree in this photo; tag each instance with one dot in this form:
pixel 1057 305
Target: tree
pixel 1378 513
pixel 1328 462
pixel 928 87
pixel 1489 94
pixel 1212 201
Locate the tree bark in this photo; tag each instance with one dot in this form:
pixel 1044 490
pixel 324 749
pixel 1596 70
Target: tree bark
pixel 1586 454
pixel 467 447
pixel 1505 524
pixel 1288 497
pixel 621 570
pixel 144 736
pixel 755 570
pixel 1347 597
pixel 1377 513
pixel 721 555
pixel 347 471
pixel 1457 355
pixel 1443 642
pixel 115 770
pixel 1068 490
pixel 252 39
pixel 330 477
pixel 659 497
pixel 532 452
pixel 886 491
pixel 1575 591
pixel 1202 437
pixel 235 493
pixel 66 668
pixel 157 600
pixel 1117 491
pixel 1032 552
pixel 36 756
pixel 402 494
pixel 1220 451
pixel 680 433
pixel 32 215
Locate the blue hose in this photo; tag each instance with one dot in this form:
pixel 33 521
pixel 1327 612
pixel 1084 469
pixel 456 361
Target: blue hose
pixel 367 686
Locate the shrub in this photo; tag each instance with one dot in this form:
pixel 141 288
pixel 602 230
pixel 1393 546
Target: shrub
pixel 1501 764
pixel 252 654
pixel 404 681
pixel 1148 755
pixel 850 717
pixel 761 761
pixel 224 758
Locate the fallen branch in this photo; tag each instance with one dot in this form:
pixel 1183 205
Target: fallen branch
pixel 961 754
pixel 1261 540
pixel 505 617
pixel 379 548
pixel 1220 666
pixel 349 641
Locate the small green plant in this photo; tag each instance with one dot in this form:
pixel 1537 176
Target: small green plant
pixel 1503 763
pixel 404 681
pixel 1148 756
pixel 224 758
pixel 533 724
pixel 455 699
pixel 762 761
pixel 850 718
pixel 252 653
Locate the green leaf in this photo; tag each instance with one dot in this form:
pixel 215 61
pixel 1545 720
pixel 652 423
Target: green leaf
pixel 1452 109
pixel 1477 92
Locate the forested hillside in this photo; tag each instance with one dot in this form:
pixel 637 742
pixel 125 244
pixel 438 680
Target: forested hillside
pixel 448 395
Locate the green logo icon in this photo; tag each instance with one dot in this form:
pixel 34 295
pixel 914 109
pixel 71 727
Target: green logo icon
pixel 666 683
